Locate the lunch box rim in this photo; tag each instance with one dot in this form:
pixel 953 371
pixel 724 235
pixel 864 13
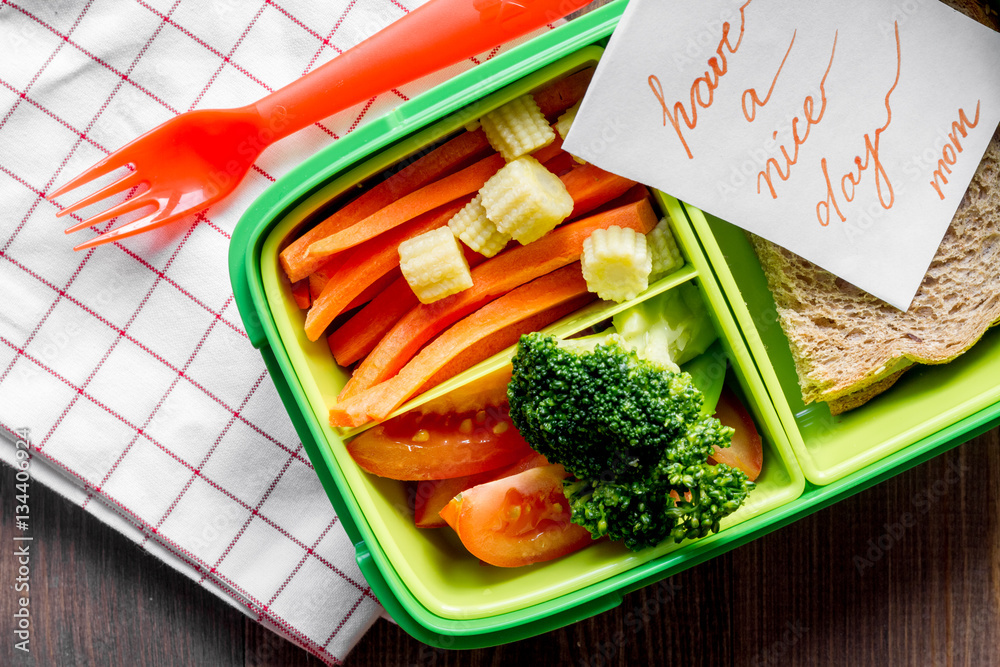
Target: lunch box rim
pixel 244 262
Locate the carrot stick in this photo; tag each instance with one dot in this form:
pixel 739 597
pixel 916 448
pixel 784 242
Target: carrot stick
pixel 300 292
pixel 360 334
pixel 562 94
pixel 375 289
pixel 561 164
pixel 321 276
pixel 546 153
pixel 591 186
pixel 438 193
pixel 319 279
pixel 492 278
pixel 637 192
pixel 541 294
pixel 453 155
pixel 367 263
pixel 504 338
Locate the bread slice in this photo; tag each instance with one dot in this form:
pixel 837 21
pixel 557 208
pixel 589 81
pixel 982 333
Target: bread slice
pixel 848 345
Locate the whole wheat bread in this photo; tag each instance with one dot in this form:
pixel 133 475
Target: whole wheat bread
pixel 849 346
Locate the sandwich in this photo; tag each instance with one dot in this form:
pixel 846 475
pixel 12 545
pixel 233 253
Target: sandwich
pixel 849 346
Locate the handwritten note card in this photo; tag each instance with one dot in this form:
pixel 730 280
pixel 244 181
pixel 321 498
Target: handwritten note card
pixel 844 131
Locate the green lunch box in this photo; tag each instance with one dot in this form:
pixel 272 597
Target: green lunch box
pixel 425 579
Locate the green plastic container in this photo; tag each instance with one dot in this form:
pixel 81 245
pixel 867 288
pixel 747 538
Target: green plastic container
pixel 425 579
pixel 919 408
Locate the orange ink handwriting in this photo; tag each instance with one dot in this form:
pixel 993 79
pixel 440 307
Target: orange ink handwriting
pixel 755 101
pixel 812 117
pixel 962 125
pixel 702 89
pixel 883 185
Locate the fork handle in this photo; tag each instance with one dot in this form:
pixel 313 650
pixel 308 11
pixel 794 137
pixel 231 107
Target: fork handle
pixel 431 37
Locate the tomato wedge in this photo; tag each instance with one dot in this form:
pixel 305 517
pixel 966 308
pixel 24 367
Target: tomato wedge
pixel 433 495
pixel 488 390
pixel 746 452
pixel 517 520
pixel 419 447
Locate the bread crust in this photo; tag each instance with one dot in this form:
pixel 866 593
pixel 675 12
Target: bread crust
pixel 862 396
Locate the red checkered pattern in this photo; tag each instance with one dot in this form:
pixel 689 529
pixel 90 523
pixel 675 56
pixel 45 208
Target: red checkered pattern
pixel 128 363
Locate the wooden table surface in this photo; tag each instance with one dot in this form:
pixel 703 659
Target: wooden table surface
pixel 849 585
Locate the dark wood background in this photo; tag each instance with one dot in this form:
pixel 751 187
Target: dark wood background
pixel 929 595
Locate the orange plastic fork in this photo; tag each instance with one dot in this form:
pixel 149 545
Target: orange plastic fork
pixel 194 160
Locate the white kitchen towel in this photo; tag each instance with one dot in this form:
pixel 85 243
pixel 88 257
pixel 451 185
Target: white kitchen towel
pixel 128 365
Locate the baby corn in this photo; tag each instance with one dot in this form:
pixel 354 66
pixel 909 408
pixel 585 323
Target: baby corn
pixel 517 128
pixel 526 200
pixel 616 263
pixel 663 248
pixel 476 230
pixel 434 265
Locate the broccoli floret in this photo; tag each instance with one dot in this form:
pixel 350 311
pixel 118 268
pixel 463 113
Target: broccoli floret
pixel 643 513
pixel 631 433
pixel 576 405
